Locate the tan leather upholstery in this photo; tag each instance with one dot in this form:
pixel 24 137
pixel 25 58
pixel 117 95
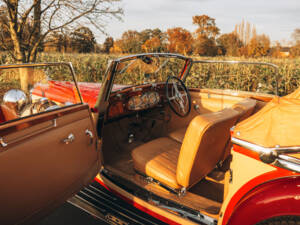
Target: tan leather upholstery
pixel 8 113
pixel 178 134
pixel 203 147
pixel 245 107
pixel 158 159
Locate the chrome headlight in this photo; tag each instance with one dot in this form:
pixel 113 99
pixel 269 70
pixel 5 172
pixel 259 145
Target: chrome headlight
pixel 15 98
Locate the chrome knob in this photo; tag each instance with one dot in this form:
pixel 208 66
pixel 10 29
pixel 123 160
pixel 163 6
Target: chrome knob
pixel 69 139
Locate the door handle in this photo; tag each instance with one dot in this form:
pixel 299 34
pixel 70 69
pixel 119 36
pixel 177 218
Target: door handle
pixel 90 135
pixel 69 139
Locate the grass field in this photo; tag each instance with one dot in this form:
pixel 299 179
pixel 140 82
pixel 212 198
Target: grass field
pixel 91 68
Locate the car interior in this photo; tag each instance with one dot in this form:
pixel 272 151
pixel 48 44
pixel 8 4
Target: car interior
pixel 163 137
pixel 183 159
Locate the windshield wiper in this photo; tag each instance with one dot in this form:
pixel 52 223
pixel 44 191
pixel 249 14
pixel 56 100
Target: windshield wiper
pixel 162 65
pixel 125 68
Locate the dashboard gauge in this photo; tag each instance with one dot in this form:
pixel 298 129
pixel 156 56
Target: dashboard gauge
pixel 135 103
pixel 145 99
pixel 153 98
pixel 140 102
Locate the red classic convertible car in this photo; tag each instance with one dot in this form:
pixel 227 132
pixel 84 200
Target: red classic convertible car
pixel 182 154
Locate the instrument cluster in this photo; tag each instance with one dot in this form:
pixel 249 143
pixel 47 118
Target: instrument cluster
pixel 144 101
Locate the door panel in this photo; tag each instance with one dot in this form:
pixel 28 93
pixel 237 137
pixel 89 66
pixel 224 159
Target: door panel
pixel 40 170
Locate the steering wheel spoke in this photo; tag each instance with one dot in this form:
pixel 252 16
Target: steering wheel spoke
pixel 178 96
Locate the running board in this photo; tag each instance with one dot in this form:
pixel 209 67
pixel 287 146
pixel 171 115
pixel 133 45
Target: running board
pixel 104 205
pixel 166 204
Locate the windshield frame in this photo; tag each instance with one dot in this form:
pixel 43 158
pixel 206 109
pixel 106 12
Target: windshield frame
pixel 115 62
pixel 45 64
pixel 275 67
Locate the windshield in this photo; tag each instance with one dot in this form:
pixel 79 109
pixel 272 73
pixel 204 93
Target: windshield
pixel 26 90
pixel 233 75
pixel 147 69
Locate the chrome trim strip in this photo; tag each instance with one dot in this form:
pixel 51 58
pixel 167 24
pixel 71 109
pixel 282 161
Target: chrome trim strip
pixel 261 149
pixel 275 156
pixel 287 165
pixel 289 159
pixel 252 147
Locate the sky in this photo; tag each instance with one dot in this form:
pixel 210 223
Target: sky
pixel 275 18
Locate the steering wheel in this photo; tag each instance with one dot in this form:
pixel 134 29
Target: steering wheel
pixel 178 96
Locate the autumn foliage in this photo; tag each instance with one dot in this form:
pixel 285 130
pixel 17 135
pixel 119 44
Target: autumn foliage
pixel 205 40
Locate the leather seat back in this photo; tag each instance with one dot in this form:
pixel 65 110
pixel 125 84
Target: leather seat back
pixel 246 107
pixel 203 145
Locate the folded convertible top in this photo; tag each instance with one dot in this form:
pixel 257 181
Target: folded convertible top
pixel 275 125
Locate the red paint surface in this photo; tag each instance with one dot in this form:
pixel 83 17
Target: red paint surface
pixel 251 184
pixel 275 198
pixel 138 206
pixel 2 118
pixel 63 91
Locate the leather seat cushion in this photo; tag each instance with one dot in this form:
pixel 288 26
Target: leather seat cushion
pixel 158 159
pixel 178 134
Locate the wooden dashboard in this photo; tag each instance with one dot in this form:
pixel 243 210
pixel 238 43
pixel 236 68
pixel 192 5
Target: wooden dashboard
pixel 133 99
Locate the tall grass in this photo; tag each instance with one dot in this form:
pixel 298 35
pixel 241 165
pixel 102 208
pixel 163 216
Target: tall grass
pixel 91 68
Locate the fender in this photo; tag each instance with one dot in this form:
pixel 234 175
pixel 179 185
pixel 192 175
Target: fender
pixel 274 198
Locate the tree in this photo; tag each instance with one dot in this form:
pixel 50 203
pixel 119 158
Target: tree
pixel 117 47
pixel 206 26
pixel 205 46
pixel 153 40
pixel 57 42
pixel 296 35
pixel 295 50
pixel 179 40
pixel 131 42
pixel 153 45
pixel 83 40
pixel 230 44
pixel 44 17
pixel 108 44
pixel 275 51
pixel 259 46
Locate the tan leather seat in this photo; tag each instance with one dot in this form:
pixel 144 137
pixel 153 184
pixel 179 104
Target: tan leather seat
pixel 158 158
pixel 245 107
pixel 178 134
pixel 203 146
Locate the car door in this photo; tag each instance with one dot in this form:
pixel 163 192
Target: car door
pixel 46 156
